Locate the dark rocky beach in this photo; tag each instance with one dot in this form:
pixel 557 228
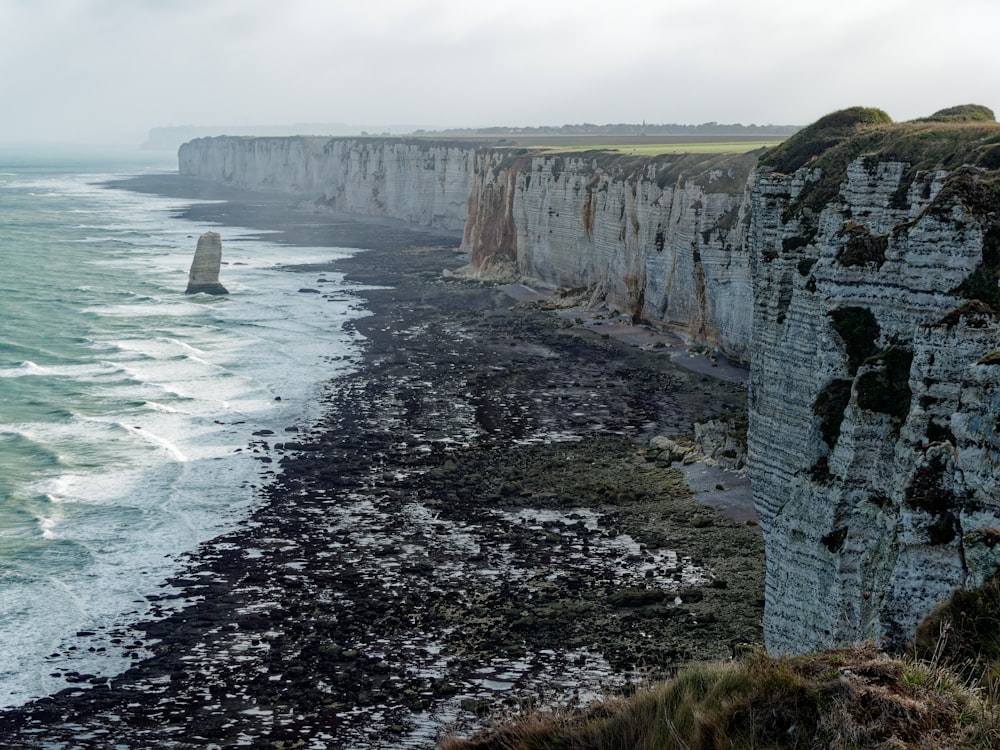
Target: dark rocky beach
pixel 478 524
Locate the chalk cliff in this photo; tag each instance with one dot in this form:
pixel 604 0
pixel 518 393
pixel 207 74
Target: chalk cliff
pixel 204 274
pixel 421 182
pixel 659 238
pixel 874 441
pixel 855 267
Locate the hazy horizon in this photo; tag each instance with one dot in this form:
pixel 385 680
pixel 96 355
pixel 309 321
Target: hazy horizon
pixel 103 71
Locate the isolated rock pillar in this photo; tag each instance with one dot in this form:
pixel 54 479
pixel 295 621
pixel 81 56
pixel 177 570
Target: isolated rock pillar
pixel 204 274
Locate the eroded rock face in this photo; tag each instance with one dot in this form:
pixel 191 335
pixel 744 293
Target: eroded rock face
pixel 203 277
pixel 660 239
pixel 873 444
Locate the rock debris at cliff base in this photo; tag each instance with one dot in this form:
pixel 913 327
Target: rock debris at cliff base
pixel 476 522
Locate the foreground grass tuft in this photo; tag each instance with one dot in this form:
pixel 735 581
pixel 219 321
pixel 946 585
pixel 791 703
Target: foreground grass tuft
pixel 963 633
pixel 841 699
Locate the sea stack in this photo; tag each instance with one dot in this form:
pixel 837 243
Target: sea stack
pixel 204 274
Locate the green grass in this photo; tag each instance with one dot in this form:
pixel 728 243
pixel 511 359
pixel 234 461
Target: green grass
pixel 835 141
pixel 657 149
pixel 848 698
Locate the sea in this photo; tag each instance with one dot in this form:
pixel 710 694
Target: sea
pixel 127 408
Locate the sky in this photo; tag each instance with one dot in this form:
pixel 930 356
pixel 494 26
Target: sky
pixel 84 69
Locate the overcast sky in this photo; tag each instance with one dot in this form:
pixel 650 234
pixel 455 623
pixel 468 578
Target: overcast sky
pixel 76 68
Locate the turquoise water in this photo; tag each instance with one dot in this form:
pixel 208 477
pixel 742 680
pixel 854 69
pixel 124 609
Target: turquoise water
pixel 126 407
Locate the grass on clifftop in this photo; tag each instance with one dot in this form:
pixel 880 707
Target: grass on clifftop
pixel 964 632
pixel 944 696
pixel 947 140
pixel 840 699
pixel 656 149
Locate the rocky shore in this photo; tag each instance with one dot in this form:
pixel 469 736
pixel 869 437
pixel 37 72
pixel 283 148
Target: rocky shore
pixel 479 523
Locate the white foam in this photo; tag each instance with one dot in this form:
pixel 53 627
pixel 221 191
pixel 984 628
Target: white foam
pixel 150 446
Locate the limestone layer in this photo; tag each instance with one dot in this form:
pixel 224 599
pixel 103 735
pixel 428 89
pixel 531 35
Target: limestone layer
pixel 659 238
pixel 204 274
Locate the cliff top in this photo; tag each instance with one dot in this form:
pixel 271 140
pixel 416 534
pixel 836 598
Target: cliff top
pixel 967 134
pixel 947 140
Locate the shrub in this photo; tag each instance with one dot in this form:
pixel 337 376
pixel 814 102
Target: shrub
pixel 962 634
pixel 962 113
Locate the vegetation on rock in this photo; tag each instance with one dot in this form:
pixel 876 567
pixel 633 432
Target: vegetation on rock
pixel 983 284
pixel 886 389
pixel 962 113
pixel 862 247
pixel 859 330
pixel 829 407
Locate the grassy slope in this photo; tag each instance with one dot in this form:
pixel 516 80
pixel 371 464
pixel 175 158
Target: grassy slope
pixel 655 148
pixel 847 698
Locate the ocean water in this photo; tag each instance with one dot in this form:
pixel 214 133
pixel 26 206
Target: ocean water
pixel 127 407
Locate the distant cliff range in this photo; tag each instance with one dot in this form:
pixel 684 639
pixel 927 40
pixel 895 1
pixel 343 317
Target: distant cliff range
pixel 170 138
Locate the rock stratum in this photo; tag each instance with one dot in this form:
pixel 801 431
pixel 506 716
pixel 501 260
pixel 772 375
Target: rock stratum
pixel 855 267
pixel 658 238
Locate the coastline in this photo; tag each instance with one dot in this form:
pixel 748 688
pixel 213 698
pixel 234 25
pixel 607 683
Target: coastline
pixel 475 523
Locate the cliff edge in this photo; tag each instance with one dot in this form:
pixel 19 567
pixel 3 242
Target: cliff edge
pixel 421 182
pixel 874 440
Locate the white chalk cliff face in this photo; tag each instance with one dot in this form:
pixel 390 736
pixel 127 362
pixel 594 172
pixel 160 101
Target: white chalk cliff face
pixel 874 441
pixel 660 239
pixel 204 274
pixel 420 182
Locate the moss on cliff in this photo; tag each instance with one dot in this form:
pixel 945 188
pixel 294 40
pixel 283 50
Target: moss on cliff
pixel 886 387
pixel 983 284
pixel 859 330
pixel 862 247
pixel 829 407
